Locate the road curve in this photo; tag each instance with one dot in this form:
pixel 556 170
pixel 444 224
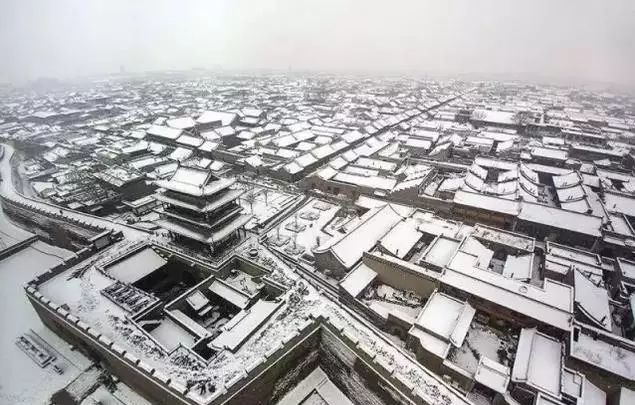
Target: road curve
pixel 8 191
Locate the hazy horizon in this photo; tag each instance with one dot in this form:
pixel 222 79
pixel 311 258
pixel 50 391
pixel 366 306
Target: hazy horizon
pixel 569 41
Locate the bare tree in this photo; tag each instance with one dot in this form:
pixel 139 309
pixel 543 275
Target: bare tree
pixel 479 115
pixel 522 118
pixel 250 198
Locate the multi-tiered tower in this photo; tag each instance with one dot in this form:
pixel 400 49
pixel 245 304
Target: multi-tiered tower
pixel 200 208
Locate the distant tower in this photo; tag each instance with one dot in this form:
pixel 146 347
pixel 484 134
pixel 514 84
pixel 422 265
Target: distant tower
pixel 122 69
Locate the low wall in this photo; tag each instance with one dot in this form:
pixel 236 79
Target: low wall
pixel 274 376
pixel 100 237
pixel 149 382
pixel 351 367
pixel 154 386
pixel 68 262
pixel 401 277
pixel 17 247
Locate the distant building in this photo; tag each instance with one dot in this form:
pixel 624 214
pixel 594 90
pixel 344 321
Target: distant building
pixel 215 119
pixel 163 134
pixel 500 119
pixel 129 183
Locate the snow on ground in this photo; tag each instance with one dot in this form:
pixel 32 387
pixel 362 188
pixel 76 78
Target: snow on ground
pixel 384 308
pixel 27 383
pixel 244 282
pixel 83 297
pixel 480 341
pixel 266 203
pixel 312 231
pixel 169 334
pixel 385 299
pixel 100 396
pixel 122 395
pixel 604 355
pixel 280 271
pixel 128 396
pixel 9 233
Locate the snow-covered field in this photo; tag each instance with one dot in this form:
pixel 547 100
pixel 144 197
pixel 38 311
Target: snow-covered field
pixel 264 204
pixel 480 341
pixel 9 233
pixel 22 381
pixel 310 232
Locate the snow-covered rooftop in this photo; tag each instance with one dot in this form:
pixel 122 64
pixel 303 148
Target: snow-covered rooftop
pixel 195 182
pixel 593 301
pixel 538 361
pixel 358 279
pixel 349 248
pixel 551 304
pixel 164 132
pixel 402 238
pixel 446 317
pixel 136 266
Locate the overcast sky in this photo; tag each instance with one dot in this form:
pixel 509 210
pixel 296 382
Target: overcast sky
pixel 560 39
